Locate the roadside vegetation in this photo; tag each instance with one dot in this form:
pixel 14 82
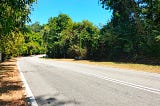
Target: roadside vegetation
pixel 16 38
pixel 132 36
pixel 11 88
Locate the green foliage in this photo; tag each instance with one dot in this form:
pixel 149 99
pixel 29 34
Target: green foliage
pixel 13 16
pixel 75 52
pixel 65 38
pixel 36 27
pixel 134 27
pixel 11 43
pixel 133 32
pixel 129 36
pixel 33 43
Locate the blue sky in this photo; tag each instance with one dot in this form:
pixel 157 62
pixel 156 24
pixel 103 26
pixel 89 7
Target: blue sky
pixel 78 10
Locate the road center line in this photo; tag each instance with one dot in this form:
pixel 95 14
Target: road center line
pixel 153 90
pixel 149 89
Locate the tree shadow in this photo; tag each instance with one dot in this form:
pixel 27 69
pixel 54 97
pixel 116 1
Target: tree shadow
pixel 5 70
pixel 19 102
pixel 51 101
pixel 144 61
pixel 10 60
pixel 7 86
pixel 7 67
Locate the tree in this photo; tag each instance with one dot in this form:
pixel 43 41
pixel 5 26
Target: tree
pixel 54 35
pixel 33 41
pixel 135 28
pixel 125 26
pixel 36 27
pixel 67 39
pixel 151 17
pixel 14 15
pixel 87 38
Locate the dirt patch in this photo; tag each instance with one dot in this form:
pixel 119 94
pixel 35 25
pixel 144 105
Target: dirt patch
pixel 130 66
pixel 12 92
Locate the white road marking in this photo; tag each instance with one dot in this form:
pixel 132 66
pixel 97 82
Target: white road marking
pixel 30 96
pixel 149 89
pixel 153 90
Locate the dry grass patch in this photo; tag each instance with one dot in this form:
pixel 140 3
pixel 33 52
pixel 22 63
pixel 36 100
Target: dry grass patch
pixel 11 90
pixel 130 66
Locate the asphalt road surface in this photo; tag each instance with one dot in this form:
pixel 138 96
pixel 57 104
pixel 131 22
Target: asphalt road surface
pixel 57 83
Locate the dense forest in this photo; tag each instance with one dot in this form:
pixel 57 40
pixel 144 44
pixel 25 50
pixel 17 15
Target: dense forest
pixel 132 35
pixel 16 38
pixel 134 31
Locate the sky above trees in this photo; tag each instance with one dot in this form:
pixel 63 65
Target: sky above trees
pixel 132 34
pixel 78 10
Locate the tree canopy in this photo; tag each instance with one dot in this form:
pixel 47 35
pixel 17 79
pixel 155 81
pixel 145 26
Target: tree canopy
pixel 133 34
pixel 13 16
pixel 65 38
pixel 135 26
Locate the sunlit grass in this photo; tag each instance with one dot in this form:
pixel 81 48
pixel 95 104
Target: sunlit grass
pixel 130 66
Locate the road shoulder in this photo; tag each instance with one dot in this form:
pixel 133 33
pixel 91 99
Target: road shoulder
pixel 126 66
pixel 12 92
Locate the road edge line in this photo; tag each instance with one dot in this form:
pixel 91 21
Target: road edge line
pixel 30 97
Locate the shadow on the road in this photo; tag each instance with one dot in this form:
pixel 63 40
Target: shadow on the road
pixel 52 101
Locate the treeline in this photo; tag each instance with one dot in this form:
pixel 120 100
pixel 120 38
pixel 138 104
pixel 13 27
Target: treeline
pixel 33 40
pixel 16 38
pixel 125 41
pixel 67 39
pixel 25 43
pixel 134 30
pixel 132 35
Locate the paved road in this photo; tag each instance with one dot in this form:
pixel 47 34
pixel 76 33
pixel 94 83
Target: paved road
pixel 57 83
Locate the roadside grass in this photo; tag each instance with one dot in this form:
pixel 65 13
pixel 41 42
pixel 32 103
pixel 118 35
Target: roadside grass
pixel 11 91
pixel 129 66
